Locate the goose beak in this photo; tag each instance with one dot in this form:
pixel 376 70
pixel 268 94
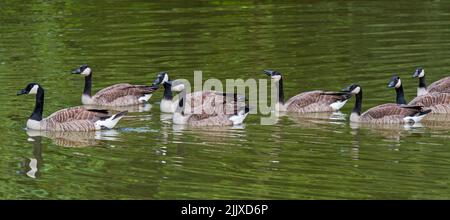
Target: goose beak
pixel 416 74
pixel 268 72
pixel 156 82
pixel 347 89
pixel 391 84
pixel 22 92
pixel 76 71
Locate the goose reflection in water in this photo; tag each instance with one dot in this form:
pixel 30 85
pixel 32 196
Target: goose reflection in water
pixel 75 139
pixel 316 120
pixel 210 134
pixel 33 164
pixel 390 131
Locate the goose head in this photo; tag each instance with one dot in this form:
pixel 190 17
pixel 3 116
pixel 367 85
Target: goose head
pixel 31 88
pixel 352 89
pixel 84 70
pixel 274 75
pixel 162 77
pixel 419 73
pixel 395 82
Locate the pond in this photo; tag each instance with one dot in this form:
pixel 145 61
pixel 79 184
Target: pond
pixel 325 45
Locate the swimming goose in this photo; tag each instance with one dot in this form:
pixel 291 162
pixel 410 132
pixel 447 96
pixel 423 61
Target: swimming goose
pixel 442 85
pixel 435 101
pixel 390 113
pixel 307 102
pixel 122 94
pixel 198 120
pixel 205 102
pixel 69 119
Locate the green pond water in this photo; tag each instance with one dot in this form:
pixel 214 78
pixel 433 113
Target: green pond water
pixel 316 45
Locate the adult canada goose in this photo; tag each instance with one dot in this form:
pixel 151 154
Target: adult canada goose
pixel 198 120
pixel 390 113
pixel 442 85
pixel 69 119
pixel 167 104
pixel 307 102
pixel 122 94
pixel 209 102
pixel 436 102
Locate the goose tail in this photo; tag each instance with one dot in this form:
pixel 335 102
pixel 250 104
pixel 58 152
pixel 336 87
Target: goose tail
pixel 416 118
pixel 240 116
pixel 110 122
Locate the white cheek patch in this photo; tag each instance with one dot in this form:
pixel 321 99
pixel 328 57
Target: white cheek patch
pixel 276 77
pixel 356 90
pixel 178 88
pixel 422 73
pixel 34 89
pixel 86 72
pixel 166 78
pixel 399 83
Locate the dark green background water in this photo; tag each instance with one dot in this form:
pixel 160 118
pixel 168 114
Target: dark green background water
pixel 324 45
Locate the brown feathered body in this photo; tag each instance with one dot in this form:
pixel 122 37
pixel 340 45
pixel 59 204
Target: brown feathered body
pixel 70 119
pixel 390 113
pixel 442 86
pixel 437 102
pixel 313 101
pixel 212 103
pixel 123 94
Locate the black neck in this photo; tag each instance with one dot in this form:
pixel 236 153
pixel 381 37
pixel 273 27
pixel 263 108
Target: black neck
pixel 400 95
pixel 280 91
pixel 87 85
pixel 358 103
pixel 39 106
pixel 422 83
pixel 167 91
pixel 181 106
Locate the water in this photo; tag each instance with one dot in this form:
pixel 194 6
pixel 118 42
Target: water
pixel 315 45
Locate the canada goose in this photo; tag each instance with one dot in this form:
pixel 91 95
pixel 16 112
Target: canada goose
pixel 122 94
pixel 167 104
pixel 307 102
pixel 442 85
pixel 209 102
pixel 436 102
pixel 390 113
pixel 197 120
pixel 69 119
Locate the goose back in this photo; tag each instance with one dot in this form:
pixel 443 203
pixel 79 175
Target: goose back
pixel 73 119
pixel 313 101
pixel 212 102
pixel 122 95
pixel 437 102
pixel 442 85
pixel 389 113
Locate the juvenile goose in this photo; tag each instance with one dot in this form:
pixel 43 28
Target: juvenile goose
pixel 436 102
pixel 390 113
pixel 122 94
pixel 307 102
pixel 442 85
pixel 69 119
pixel 198 120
